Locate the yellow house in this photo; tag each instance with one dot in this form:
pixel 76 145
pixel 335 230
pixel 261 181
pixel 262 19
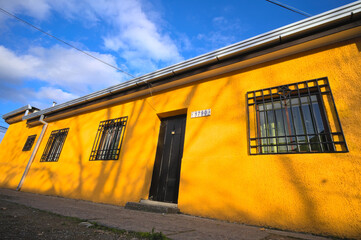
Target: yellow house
pixel 264 132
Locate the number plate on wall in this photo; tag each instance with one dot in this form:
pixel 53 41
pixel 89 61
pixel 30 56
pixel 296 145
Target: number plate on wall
pixel 201 113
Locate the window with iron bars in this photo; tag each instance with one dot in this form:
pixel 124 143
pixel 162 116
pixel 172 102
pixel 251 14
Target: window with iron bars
pixel 29 143
pixel 108 140
pixel 294 118
pixel 54 146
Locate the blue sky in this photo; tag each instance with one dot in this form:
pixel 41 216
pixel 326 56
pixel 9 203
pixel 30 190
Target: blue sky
pixel 137 36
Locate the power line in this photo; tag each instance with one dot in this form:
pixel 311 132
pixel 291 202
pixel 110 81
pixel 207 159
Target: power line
pixel 70 45
pixel 290 8
pixel 3 129
pixel 62 41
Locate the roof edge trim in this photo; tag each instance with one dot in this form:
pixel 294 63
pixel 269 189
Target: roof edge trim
pixel 18 111
pixel 311 23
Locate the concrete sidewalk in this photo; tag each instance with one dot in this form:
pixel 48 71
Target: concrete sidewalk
pixel 174 226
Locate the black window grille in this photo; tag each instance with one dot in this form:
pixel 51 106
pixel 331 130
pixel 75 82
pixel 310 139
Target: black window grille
pixel 29 143
pixel 294 118
pixel 108 140
pixel 54 146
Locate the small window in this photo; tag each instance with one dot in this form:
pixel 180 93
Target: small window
pixel 294 118
pixel 29 143
pixel 54 146
pixel 108 140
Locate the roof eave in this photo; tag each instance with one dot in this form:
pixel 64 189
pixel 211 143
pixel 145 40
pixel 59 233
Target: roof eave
pixel 17 111
pixel 343 13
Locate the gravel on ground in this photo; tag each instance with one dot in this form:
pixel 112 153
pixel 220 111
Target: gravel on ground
pixel 21 222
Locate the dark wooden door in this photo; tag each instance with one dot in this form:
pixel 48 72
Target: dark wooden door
pixel 166 171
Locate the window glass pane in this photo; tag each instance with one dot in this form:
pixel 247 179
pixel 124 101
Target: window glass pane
pixel 315 145
pixel 297 118
pixel 280 123
pixel 277 105
pixel 282 144
pixel 295 102
pixel 262 124
pixel 271 131
pixel 294 120
pixel 304 100
pixel 263 131
pixel 303 147
pixel 318 117
pixel 308 119
pixel 268 106
pixel 287 119
pixel 107 146
pixel 292 148
pixel 313 98
pixel 271 124
pixel 54 145
pixel 29 143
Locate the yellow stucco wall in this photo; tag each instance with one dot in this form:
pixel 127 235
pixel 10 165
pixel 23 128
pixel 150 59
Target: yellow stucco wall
pixel 12 159
pixel 318 193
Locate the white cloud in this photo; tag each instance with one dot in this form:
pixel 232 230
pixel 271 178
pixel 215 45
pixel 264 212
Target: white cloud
pixel 14 68
pixel 73 70
pixel 40 75
pixel 62 74
pixel 219 20
pixel 135 37
pixel 45 96
pixel 42 98
pixel 55 94
pixel 38 9
pixel 132 33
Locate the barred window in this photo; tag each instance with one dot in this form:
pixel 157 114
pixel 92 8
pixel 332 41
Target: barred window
pixel 108 140
pixel 29 143
pixel 54 146
pixel 294 118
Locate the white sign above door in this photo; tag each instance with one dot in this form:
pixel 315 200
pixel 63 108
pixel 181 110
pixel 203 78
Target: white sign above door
pixel 201 113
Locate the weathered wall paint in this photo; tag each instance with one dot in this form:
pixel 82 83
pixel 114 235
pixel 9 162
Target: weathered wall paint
pixel 318 193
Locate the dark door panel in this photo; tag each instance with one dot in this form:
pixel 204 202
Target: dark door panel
pixel 166 171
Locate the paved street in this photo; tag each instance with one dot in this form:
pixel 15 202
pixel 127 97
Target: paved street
pixel 174 226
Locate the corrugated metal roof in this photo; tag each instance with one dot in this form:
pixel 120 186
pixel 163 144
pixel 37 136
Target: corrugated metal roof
pixel 293 29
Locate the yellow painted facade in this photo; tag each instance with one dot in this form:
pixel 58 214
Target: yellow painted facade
pixel 318 192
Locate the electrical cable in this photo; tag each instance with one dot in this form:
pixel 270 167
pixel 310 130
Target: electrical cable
pixel 62 41
pixel 290 8
pixel 2 128
pixel 72 46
